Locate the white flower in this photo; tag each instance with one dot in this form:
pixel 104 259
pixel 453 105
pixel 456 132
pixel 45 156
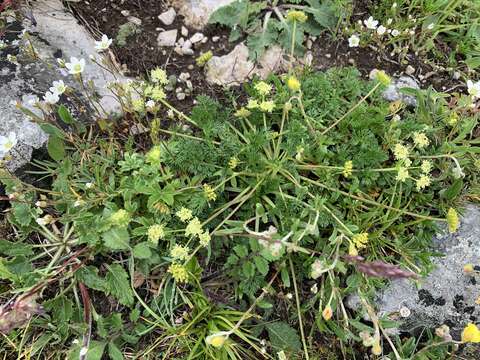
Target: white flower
pixel 150 104
pixel 314 289
pixel 2 45
pixel 51 97
pixel 353 41
pixel 394 5
pixel 75 66
pixel 370 23
pixel 47 219
pixel 473 88
pixel 381 30
pixel 7 143
pixel 431 26
pixel 395 32
pixel 389 21
pixel 89 185
pixel 58 87
pixel 103 44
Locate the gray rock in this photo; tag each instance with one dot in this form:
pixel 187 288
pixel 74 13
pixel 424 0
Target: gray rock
pixel 392 92
pixel 135 20
pixel 57 34
pixel 167 38
pixel 447 295
pixel 197 37
pixel 197 12
pixel 168 17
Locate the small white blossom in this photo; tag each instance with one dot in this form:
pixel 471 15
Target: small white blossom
pixel 75 66
pixel 103 44
pixel 89 185
pixel 431 26
pixel 58 87
pixel 314 288
pixel 7 143
pixel 389 21
pixel 473 88
pixel 395 32
pixel 404 312
pixel 381 30
pixel 394 5
pixel 150 104
pixel 370 23
pixel 51 97
pixel 2 45
pixel 353 41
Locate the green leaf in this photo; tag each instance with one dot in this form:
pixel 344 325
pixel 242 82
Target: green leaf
pixel 142 251
pixel 237 13
pixel 285 277
pixel 261 264
pixel 324 13
pixel 88 275
pixel 114 352
pixel 117 238
pixel 56 148
pixel 453 191
pixel 52 130
pixel 240 250
pixel 118 284
pixel 95 351
pixel 65 115
pixel 61 309
pixel 22 213
pixel 248 269
pixel 258 42
pixel 283 336
pixel 5 273
pixel 15 248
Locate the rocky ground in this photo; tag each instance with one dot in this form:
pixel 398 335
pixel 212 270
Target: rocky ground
pixel 172 35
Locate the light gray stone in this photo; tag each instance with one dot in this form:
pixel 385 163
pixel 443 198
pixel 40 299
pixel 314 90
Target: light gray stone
pixel 167 38
pixel 197 37
pixel 392 92
pixel 57 34
pixel 197 12
pixel 448 294
pixel 168 17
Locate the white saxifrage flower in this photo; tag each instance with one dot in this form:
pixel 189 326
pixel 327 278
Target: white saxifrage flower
pixel 75 66
pixel 395 32
pixel 58 87
pixel 381 30
pixel 353 41
pixel 473 88
pixel 371 23
pixel 51 97
pixel 103 44
pixel 7 143
pixel 150 104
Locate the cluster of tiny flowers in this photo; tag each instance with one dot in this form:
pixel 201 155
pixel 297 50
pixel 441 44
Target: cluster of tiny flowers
pixel 420 140
pixel 452 220
pixel 423 182
pixel 120 218
pixel 153 156
pixel 178 272
pixel 402 174
pixel 401 152
pixel 263 88
pixel 194 227
pixel 155 233
pixel 159 76
pixel 347 168
pixel 204 58
pixel 371 341
pixel 209 192
pixel 242 113
pixel 360 240
pixel 293 83
pixel 184 214
pixel 296 15
pixel 233 163
pixel 179 252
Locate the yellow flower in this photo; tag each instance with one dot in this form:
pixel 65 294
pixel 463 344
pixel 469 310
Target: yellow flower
pixel 157 93
pixel 242 113
pixel 204 58
pixel 217 339
pixel 453 119
pixel 209 192
pixel 452 220
pixel 179 252
pixel 155 233
pixel 400 152
pixel 184 214
pixel 296 15
pixel 233 162
pixel 423 182
pixel 138 105
pixel 468 268
pixel 153 156
pixel 347 168
pixel 376 348
pixel 159 76
pixel 402 174
pixel 471 334
pixel 194 227
pixel 327 313
pixel 293 83
pixel 267 106
pixel 263 88
pixel 352 250
pixel 120 218
pixel 204 239
pixel 360 240
pixel 420 140
pixel 252 104
pixel 383 78
pixel 426 166
pixel 179 273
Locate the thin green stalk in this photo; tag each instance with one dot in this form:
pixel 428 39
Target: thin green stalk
pixel 299 313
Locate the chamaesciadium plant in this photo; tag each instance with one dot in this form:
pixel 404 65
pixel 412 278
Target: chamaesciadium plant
pixel 236 231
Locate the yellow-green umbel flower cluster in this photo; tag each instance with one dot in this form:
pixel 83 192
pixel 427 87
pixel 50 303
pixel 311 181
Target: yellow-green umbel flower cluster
pixel 120 218
pixel 155 233
pixel 296 15
pixel 178 272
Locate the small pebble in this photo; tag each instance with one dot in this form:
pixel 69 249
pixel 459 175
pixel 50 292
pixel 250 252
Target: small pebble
pixel 410 70
pixel 125 13
pixel 215 38
pixel 184 31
